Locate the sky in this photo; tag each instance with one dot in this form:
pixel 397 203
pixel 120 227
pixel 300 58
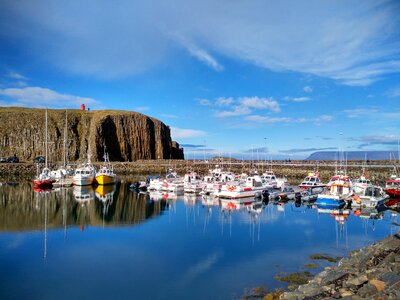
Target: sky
pixel 258 79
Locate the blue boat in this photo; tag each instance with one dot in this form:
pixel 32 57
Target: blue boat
pixel 339 193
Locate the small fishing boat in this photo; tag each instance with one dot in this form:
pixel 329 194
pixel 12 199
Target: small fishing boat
pixel 252 187
pixel 361 183
pixel 338 194
pixel 106 173
pixel 270 178
pixel 85 174
pixel 192 183
pixel 393 186
pixel 312 180
pixel 371 196
pixel 172 183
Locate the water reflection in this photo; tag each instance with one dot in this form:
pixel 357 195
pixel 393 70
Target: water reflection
pixel 163 240
pixel 22 208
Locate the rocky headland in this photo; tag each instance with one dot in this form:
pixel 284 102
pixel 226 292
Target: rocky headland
pixel 127 136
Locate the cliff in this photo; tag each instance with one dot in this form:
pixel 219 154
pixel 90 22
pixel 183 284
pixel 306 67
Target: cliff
pixel 127 136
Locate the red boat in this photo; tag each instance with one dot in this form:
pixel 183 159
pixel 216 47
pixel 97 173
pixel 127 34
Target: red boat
pixel 44 180
pixel 393 187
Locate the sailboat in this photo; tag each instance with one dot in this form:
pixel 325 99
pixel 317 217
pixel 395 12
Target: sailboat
pixel 44 179
pixel 64 175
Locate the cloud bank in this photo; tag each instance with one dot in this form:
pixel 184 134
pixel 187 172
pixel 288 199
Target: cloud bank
pixel 355 42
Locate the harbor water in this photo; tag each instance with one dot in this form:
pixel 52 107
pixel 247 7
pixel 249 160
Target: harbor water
pixel 111 242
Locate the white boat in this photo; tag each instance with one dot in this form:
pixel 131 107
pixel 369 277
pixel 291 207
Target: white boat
pixel 252 187
pixel 63 176
pixel 192 183
pixel 155 184
pixel 172 183
pixel 371 196
pixel 312 180
pixel 85 174
pixel 270 178
pixel 361 183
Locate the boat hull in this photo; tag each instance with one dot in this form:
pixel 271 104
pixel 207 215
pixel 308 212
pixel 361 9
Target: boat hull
pixel 393 193
pixel 83 181
pixel 105 179
pixel 43 183
pixel 329 202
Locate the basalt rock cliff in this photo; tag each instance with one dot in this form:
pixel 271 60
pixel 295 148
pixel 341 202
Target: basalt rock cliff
pixel 127 136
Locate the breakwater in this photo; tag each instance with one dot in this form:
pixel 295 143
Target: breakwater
pixel 294 171
pixel 372 272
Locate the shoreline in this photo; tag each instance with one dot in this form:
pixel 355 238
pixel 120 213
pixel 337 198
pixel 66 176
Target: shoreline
pixel 294 171
pixel 372 272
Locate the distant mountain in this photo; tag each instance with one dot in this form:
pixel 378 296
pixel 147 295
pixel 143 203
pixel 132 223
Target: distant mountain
pixel 354 155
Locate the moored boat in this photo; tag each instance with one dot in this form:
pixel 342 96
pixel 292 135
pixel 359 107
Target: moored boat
pixel 371 196
pixel 361 183
pixel 338 194
pixel 44 179
pixel 392 187
pixel 312 179
pixel 252 187
pixel 106 173
pixel 85 174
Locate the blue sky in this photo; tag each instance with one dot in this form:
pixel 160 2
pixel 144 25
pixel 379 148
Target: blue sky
pixel 272 78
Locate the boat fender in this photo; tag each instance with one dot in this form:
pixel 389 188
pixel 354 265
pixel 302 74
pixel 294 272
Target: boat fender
pixel 357 199
pixel 231 188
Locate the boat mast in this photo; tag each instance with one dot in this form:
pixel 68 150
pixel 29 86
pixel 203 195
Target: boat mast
pixel 65 139
pixel 45 136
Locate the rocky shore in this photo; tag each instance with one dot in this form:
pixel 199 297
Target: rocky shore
pixel 369 273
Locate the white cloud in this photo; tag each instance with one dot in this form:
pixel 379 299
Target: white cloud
pixel 237 111
pixel 267 120
pixel 202 55
pixel 260 103
pixel 322 119
pixel 356 44
pixel 182 133
pixel 378 140
pixel 17 76
pixel 360 112
pixel 307 89
pixel 41 97
pixel 297 99
pixel 224 101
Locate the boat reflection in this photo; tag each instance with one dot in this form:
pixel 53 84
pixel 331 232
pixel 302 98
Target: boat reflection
pixel 83 193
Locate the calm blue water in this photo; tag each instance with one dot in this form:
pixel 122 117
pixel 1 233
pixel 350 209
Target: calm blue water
pixel 131 246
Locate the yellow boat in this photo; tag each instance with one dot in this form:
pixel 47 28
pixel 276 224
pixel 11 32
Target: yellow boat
pixel 106 174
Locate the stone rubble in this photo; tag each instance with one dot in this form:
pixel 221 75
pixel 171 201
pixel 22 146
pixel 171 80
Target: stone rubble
pixel 369 273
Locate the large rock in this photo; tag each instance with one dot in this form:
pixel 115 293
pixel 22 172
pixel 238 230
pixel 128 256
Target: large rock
pixel 127 136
